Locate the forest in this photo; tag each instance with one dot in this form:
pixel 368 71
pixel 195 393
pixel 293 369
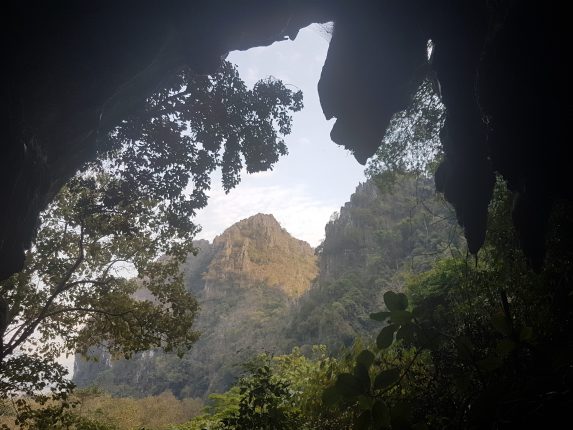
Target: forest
pixel 441 296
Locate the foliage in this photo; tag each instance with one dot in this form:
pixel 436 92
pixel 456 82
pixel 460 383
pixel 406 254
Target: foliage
pixel 381 389
pixel 380 238
pixel 279 392
pixel 131 212
pixel 264 403
pixel 316 392
pixel 166 152
pixel 93 410
pixel 490 339
pixel 411 142
pixel 471 344
pixel 71 296
pixel 245 304
pixel 236 324
pixel 383 235
pixel 71 289
pixel 152 412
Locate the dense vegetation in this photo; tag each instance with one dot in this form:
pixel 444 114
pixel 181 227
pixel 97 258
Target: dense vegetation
pixel 471 343
pixel 96 410
pixel 386 233
pixel 401 329
pixel 246 283
pixel 461 342
pixel 105 266
pixel 380 237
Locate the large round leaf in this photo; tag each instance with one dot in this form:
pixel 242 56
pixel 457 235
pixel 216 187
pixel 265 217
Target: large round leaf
pixel 395 301
pixel 386 336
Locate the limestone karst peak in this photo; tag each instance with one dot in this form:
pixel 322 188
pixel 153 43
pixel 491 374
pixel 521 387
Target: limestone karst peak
pixel 258 250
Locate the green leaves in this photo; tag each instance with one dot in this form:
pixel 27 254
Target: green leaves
pixel 91 231
pixel 395 301
pixel 369 397
pixel 501 324
pixel 400 317
pixel 365 358
pixel 186 131
pixel 364 421
pixel 386 378
pixel 412 139
pixel 400 320
pixel 348 385
pixel 401 416
pixel 386 336
pixel 526 334
pixel 406 333
pixel 131 208
pixel 266 401
pixel 330 396
pixel 362 376
pixel 505 347
pixel 490 363
pixel 381 414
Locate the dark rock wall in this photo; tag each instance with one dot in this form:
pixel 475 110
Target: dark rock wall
pixel 74 69
pixel 246 282
pixel 78 68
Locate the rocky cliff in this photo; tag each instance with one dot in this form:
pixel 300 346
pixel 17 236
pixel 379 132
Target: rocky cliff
pixel 257 250
pixel 349 235
pixel 246 282
pixel 384 233
pixel 260 289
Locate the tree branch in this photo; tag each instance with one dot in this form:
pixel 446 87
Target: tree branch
pixel 18 338
pixel 88 310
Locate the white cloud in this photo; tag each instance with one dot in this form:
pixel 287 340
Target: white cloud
pixel 317 176
pixel 301 215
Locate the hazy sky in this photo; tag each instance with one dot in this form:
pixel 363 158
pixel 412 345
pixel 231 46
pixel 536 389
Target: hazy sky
pixel 317 177
pixel 309 184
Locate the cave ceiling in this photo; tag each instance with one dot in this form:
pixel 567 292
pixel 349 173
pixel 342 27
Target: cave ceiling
pixel 72 70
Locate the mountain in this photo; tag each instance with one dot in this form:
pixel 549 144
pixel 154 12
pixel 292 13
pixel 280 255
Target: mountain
pixel 246 283
pixel 387 231
pixel 256 251
pixel 260 289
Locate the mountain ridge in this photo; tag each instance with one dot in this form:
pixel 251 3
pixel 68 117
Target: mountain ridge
pixel 246 282
pixel 261 290
pixel 257 249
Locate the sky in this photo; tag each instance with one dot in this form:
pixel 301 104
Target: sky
pixel 306 186
pixel 317 177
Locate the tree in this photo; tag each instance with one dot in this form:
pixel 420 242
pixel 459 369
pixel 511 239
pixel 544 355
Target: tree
pixel 130 212
pixel 280 392
pixel 265 402
pixel 167 150
pixel 72 295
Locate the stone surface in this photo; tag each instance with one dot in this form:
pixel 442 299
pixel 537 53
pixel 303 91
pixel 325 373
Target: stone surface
pixel 258 250
pixel 246 282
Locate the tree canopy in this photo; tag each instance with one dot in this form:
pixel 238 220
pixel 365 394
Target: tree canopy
pixel 105 265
